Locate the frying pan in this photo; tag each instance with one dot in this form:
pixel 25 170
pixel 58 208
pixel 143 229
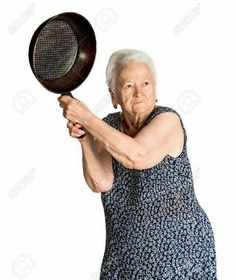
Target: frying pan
pixel 62 52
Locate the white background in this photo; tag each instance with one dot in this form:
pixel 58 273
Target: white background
pixel 52 224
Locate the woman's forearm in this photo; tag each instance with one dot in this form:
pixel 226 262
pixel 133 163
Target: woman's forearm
pixel 95 170
pixel 121 146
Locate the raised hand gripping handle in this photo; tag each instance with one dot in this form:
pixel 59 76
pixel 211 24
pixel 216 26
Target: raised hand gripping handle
pixel 69 94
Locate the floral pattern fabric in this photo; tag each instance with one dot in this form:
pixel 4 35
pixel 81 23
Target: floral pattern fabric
pixel 155 226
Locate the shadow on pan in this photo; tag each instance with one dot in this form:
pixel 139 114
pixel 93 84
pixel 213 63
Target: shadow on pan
pixel 62 52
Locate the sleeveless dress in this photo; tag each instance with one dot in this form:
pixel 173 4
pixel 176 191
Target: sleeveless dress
pixel 155 227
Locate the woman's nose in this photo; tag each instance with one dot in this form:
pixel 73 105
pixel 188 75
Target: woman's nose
pixel 138 91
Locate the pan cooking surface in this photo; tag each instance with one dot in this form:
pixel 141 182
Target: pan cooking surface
pixel 55 50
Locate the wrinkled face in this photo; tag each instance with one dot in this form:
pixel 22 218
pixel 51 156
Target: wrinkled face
pixel 135 91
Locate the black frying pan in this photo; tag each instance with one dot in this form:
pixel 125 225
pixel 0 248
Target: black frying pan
pixel 62 52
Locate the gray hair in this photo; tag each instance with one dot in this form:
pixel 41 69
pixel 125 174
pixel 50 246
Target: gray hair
pixel 123 57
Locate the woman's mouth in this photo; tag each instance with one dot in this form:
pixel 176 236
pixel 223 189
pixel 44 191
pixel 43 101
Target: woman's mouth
pixel 138 101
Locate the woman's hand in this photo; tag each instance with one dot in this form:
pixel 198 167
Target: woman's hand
pixel 74 110
pixel 76 130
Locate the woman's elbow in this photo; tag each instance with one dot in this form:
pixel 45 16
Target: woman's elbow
pixel 104 186
pixel 128 164
pixel 137 159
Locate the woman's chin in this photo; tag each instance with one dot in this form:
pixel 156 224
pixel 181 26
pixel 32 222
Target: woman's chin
pixel 140 107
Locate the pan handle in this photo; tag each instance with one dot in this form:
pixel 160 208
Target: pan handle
pixel 69 94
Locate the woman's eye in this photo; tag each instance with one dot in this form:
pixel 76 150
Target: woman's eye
pixel 146 83
pixel 128 86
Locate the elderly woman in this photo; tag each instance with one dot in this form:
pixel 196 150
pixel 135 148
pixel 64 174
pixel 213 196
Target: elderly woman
pixel 137 159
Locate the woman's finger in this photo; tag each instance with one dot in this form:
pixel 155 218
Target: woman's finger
pixel 78 125
pixel 72 124
pixel 77 130
pixel 74 134
pixel 69 125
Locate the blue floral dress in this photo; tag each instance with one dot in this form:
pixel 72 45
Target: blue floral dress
pixel 155 227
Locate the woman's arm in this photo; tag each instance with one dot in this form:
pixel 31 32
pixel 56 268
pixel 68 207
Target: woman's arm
pixel 97 162
pixel 97 165
pixel 163 135
pixel 147 148
pixel 119 145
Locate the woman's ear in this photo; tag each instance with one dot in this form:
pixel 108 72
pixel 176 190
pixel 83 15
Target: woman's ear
pixel 111 92
pixel 113 98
